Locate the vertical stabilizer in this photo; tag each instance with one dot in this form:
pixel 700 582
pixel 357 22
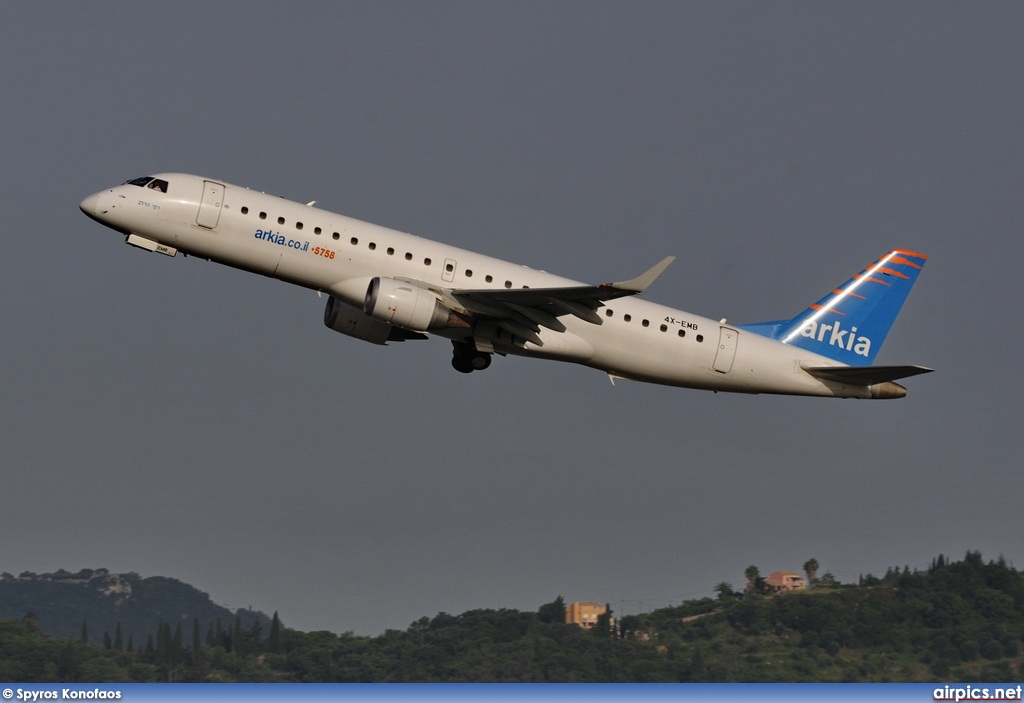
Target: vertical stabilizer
pixel 851 322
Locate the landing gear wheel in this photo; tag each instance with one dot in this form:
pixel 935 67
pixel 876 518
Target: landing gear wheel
pixel 462 364
pixel 466 359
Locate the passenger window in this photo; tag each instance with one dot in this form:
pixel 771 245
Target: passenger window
pixel 427 262
pixel 682 333
pixel 469 273
pixel 508 284
pixel 298 225
pixel 353 241
pixel 700 338
pixel 336 235
pixel 391 251
pixel 372 245
pixel 317 230
pixel 263 215
pixel 449 268
pixel 627 317
pixel 646 323
pixel 408 256
pixel 608 312
pixel 664 328
pixel 280 220
pixel 245 210
pixel 488 278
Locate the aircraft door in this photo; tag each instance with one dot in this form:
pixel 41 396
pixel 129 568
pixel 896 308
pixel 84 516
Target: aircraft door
pixel 209 207
pixel 449 270
pixel 727 339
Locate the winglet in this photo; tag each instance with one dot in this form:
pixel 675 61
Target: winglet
pixel 640 283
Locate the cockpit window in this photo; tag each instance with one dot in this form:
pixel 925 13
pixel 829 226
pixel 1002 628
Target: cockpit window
pixel 148 182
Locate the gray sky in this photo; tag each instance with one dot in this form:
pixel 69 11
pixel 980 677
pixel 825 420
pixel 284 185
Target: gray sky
pixel 175 417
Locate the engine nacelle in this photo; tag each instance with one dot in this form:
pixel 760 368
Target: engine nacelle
pixel 407 305
pixel 342 317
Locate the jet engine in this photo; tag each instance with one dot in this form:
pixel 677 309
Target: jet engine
pixel 342 317
pixel 407 305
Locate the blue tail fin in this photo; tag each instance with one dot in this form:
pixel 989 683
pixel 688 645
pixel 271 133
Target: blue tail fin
pixel 851 322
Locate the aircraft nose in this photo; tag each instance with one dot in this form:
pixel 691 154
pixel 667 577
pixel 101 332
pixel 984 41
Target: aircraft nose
pixel 88 206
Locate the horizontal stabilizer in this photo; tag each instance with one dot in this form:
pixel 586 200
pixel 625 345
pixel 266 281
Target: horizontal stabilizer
pixel 864 375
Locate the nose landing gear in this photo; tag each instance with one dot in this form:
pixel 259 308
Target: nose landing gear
pixel 466 358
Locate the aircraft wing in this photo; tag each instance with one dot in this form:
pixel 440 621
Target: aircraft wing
pixel 521 312
pixel 541 307
pixel 864 375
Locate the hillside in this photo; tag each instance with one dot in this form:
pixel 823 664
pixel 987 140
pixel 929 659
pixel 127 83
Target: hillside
pixel 959 621
pixel 107 603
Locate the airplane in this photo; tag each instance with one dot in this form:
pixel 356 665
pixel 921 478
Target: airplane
pixel 387 286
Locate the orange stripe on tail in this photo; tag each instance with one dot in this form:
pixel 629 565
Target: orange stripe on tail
pixel 894 272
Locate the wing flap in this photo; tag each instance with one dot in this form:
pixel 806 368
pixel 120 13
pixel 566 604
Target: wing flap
pixel 539 316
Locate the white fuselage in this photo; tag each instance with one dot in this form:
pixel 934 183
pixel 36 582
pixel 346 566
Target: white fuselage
pixel 325 251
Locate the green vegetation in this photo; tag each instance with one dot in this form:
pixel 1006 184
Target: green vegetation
pixel 93 605
pixel 956 621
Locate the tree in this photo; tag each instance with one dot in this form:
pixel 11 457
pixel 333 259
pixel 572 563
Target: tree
pixel 724 591
pixel 553 611
pixel 811 567
pixel 753 575
pixel 67 663
pixel 163 642
pixel 236 635
pixel 629 626
pixel 828 581
pixel 176 644
pixel 254 636
pixel 274 639
pixel 603 628
pixel 196 639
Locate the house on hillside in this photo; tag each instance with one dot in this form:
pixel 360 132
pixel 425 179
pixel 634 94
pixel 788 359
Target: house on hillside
pixel 585 614
pixel 781 581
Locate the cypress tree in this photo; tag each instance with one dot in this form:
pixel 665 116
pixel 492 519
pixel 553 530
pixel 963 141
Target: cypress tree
pixel 274 640
pixel 236 635
pixel 163 642
pixel 176 644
